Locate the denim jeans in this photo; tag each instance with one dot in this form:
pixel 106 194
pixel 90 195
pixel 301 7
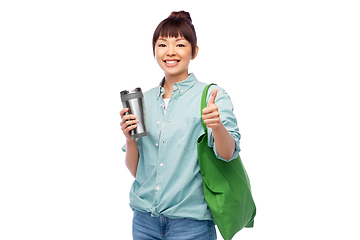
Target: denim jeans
pixel 146 227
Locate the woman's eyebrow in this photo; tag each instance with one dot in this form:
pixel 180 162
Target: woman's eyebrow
pixel 165 39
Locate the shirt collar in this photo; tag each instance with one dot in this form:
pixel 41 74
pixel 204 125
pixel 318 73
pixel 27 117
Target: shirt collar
pixel 183 86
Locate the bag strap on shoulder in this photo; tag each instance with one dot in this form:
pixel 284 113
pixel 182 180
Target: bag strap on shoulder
pixel 203 103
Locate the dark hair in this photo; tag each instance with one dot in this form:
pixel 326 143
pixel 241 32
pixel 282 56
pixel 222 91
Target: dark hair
pixel 177 24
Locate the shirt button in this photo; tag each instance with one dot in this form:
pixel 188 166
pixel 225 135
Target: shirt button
pixel 182 91
pixel 157 188
pixel 156 144
pixel 163 141
pixel 158 122
pixel 161 164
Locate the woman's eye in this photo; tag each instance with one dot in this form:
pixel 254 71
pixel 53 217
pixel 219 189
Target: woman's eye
pixel 162 45
pixel 181 45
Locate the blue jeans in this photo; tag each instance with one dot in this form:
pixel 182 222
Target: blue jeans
pixel 146 227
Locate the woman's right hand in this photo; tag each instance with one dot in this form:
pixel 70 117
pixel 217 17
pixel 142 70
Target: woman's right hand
pixel 127 126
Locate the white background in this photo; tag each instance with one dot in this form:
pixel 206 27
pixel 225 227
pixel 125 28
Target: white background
pixel 290 67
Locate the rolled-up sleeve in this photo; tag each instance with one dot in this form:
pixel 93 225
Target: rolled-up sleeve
pixel 225 106
pixel 124 148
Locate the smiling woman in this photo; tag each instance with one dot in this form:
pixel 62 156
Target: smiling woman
pixel 178 24
pixel 168 184
pixel 173 56
pixel 174 45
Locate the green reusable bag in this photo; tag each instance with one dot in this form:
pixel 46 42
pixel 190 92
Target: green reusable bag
pixel 226 186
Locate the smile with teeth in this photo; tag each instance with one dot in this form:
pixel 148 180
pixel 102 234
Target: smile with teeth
pixel 171 63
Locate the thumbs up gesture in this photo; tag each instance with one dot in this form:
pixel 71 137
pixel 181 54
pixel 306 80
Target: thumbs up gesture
pixel 211 115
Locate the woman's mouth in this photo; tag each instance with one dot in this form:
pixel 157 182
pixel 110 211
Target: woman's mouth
pixel 171 63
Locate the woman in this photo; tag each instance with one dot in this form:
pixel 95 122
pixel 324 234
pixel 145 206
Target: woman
pixel 167 194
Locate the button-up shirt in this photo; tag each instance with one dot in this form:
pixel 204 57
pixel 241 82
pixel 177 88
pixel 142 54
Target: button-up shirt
pixel 168 179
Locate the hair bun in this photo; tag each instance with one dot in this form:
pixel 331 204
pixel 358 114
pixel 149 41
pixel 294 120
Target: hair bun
pixel 181 14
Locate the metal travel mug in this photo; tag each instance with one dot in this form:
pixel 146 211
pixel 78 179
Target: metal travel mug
pixel 134 100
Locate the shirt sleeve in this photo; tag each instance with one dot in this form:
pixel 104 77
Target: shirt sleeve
pixel 124 148
pixel 225 106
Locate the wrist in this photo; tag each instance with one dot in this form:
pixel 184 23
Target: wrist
pixel 218 127
pixel 130 140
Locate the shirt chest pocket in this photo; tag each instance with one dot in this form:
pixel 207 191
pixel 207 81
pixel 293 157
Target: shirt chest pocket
pixel 187 131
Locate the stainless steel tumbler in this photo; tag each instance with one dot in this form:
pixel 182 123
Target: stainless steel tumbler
pixel 134 100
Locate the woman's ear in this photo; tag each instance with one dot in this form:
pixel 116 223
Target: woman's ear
pixel 196 53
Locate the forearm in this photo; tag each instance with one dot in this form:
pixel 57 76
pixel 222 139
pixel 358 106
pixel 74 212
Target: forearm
pixel 224 142
pixel 132 156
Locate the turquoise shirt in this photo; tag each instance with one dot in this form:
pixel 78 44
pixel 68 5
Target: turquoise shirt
pixel 168 179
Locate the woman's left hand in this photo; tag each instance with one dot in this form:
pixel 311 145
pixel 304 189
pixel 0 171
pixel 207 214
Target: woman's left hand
pixel 225 143
pixel 211 115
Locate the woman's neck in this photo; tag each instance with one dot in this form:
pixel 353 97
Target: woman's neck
pixel 170 81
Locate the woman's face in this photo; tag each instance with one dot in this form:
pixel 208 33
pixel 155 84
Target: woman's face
pixel 173 55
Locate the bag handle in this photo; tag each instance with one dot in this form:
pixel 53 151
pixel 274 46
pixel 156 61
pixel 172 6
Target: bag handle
pixel 203 104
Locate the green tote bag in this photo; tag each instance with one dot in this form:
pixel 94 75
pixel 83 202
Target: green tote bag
pixel 226 186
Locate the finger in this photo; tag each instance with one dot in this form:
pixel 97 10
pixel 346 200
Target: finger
pixel 211 115
pixel 129 128
pixel 129 116
pixel 212 122
pixel 210 109
pixel 212 97
pixel 126 131
pixel 123 111
pixel 127 124
pixel 127 119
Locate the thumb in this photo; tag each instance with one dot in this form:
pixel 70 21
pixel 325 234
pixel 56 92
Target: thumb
pixel 212 97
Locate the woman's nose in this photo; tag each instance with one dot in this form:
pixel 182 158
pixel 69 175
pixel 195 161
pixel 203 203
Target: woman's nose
pixel 171 51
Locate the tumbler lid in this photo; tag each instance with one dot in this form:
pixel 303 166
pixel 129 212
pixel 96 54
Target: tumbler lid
pixel 131 94
pixel 129 91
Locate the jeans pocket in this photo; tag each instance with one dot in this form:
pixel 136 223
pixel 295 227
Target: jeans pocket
pixel 212 230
